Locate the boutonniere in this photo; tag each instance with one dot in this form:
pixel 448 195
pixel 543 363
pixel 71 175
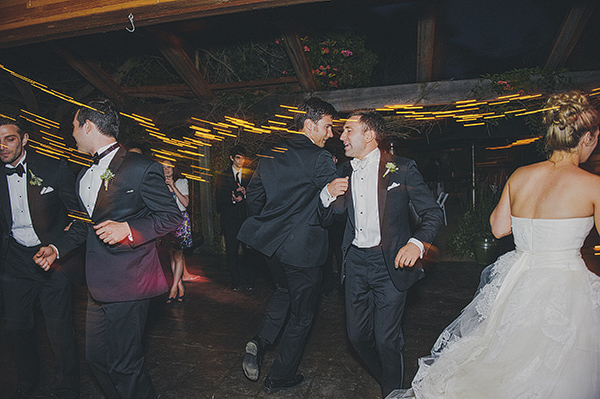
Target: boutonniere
pixel 390 167
pixel 35 181
pixel 107 176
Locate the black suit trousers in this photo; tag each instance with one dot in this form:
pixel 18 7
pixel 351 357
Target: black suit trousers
pixel 114 348
pixel 297 292
pixel 241 268
pixel 22 282
pixel 374 309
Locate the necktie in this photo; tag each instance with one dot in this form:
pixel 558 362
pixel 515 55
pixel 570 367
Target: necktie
pixel 20 170
pixel 237 178
pixel 97 157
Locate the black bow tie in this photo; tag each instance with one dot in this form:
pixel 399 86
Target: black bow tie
pixel 97 157
pixel 20 170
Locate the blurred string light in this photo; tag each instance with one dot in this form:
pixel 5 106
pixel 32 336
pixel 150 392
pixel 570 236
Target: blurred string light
pixel 469 113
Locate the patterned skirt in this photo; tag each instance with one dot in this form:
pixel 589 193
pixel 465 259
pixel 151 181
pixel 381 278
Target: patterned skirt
pixel 182 237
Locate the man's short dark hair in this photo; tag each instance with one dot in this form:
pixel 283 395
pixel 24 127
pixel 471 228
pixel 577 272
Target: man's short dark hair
pixel 371 120
pixel 9 121
pixel 237 150
pixel 314 109
pixel 101 113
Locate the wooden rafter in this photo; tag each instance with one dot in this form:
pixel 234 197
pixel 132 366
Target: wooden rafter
pixel 170 47
pixel 299 62
pixel 425 43
pixel 91 71
pixel 31 21
pixel 182 90
pixel 569 34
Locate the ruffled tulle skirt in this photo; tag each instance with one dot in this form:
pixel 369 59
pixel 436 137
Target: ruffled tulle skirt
pixel 532 331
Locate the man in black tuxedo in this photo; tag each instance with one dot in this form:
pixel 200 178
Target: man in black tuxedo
pixel 380 250
pixel 230 199
pixel 129 206
pixel 285 226
pixel 36 192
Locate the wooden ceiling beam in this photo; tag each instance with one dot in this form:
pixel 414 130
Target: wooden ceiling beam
pixel 299 62
pixel 32 21
pixel 170 47
pixel 183 91
pixel 425 43
pixel 569 34
pixel 91 71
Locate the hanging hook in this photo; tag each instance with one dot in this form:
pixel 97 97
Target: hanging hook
pixel 132 25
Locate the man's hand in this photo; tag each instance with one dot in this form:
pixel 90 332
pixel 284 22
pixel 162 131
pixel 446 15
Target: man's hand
pixel 241 189
pixel 407 256
pixel 112 232
pixel 338 186
pixel 45 257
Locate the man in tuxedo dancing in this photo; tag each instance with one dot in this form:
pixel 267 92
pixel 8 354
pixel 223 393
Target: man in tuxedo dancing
pixel 285 226
pixel 380 250
pixel 36 192
pixel 230 199
pixel 129 206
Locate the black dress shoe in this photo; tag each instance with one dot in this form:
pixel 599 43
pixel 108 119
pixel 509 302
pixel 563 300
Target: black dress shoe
pixel 253 358
pixel 272 386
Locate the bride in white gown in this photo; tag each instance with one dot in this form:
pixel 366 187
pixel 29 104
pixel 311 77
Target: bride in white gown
pixel 533 331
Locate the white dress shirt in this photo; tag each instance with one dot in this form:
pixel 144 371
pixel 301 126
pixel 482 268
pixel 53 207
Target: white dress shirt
pixel 364 181
pixel 22 226
pixel 90 183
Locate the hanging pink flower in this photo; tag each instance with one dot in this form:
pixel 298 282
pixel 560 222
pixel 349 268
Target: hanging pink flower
pixel 306 49
pixel 346 53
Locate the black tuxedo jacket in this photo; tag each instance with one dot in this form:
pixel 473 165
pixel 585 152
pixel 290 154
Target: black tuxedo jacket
pixel 395 190
pixel 139 196
pixel 283 197
pixel 48 204
pixel 232 215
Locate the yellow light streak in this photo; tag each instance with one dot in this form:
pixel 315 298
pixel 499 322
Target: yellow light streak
pixel 284 116
pixel 508 96
pixel 474 124
pixel 465 101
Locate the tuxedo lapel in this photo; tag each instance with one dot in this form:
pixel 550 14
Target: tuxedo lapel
pixel 382 185
pixel 5 198
pixel 347 171
pixel 103 193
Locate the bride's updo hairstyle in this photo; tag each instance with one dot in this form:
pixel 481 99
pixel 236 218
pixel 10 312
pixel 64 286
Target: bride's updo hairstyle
pixel 570 117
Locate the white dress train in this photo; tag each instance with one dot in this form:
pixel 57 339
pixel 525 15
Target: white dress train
pixel 531 332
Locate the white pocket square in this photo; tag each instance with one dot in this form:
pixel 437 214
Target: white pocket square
pixel 46 190
pixel 393 185
pixel 129 191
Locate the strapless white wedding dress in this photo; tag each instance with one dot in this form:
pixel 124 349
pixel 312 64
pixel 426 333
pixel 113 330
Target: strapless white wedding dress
pixel 532 331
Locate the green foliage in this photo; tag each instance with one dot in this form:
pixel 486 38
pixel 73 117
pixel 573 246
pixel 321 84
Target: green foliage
pixel 522 82
pixel 339 61
pixel 245 62
pixel 527 81
pixel 475 222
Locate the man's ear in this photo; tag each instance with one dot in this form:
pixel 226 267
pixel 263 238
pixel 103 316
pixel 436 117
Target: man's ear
pixel 25 139
pixel 309 125
pixel 369 135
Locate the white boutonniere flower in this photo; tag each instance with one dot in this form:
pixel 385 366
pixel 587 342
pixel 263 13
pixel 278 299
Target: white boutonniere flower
pixel 391 167
pixel 107 176
pixel 35 180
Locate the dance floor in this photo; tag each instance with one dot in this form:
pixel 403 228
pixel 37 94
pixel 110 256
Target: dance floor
pixel 194 349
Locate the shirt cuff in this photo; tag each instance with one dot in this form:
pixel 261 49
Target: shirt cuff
pixel 130 236
pixel 326 198
pixel 418 244
pixel 56 249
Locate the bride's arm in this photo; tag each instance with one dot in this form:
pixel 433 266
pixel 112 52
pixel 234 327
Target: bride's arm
pixel 500 218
